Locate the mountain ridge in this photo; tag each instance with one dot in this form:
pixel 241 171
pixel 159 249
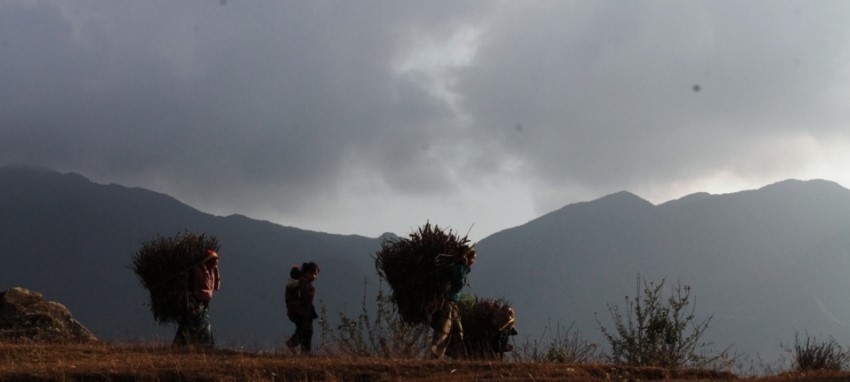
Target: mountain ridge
pixel 739 251
pixel 72 239
pixel 748 256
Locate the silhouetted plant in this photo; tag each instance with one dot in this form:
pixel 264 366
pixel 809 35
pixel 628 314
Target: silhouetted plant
pixel 816 354
pixel 570 347
pixel 563 346
pixel 655 331
pixel 325 330
pixel 488 324
pixel 384 336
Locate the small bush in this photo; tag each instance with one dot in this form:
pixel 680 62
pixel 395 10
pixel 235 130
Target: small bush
pixel 385 336
pixel 815 354
pixel 564 346
pixel 570 347
pixel 654 331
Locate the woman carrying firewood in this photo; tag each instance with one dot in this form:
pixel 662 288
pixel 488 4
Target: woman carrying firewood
pixel 195 326
pixel 446 321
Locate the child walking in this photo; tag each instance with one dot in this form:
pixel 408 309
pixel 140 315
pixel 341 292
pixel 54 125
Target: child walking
pixel 299 306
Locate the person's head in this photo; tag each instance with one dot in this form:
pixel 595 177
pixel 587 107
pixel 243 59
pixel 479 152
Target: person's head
pixel 469 257
pixel 295 272
pixel 309 271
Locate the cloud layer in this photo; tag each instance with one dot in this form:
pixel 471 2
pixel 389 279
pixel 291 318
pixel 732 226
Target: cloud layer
pixel 364 117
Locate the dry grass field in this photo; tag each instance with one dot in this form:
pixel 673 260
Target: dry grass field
pixel 105 362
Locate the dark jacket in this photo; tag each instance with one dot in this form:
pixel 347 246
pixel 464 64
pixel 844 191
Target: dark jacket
pixel 299 300
pixel 457 280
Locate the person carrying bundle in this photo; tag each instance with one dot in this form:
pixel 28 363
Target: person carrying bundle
pixel 426 272
pixel 299 306
pixel 446 321
pixel 181 273
pixel 195 328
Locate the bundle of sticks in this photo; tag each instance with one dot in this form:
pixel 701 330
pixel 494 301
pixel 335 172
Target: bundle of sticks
pixel 164 267
pixel 488 325
pixel 417 269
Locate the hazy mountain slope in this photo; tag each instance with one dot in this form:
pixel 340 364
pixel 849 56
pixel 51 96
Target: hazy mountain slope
pixel 755 259
pixel 73 240
pixel 765 262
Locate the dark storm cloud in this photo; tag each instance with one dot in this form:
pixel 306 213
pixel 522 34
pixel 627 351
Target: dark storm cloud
pixel 604 91
pixel 270 105
pixel 263 95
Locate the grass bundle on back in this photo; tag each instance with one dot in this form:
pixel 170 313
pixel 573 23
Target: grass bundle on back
pixel 164 268
pixel 417 270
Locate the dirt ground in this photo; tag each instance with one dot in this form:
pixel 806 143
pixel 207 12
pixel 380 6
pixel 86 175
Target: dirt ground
pixel 102 362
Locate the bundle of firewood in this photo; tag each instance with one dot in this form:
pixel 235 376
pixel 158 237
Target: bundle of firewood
pixel 488 325
pixel 417 268
pixel 164 266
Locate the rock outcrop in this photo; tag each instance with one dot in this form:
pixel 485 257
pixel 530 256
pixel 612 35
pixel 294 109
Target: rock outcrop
pixel 26 316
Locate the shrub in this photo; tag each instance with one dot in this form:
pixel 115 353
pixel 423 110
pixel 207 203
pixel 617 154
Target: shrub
pixel 655 331
pixel 384 336
pixel 815 354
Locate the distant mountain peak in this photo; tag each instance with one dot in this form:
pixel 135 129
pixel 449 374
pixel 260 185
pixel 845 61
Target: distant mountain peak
pixel 606 207
pixel 783 186
pixel 387 236
pixel 794 184
pixel 623 197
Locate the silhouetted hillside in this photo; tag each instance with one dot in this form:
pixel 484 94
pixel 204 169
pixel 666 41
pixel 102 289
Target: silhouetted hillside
pixel 72 240
pixel 765 262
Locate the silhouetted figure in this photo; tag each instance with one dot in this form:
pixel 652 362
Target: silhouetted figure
pixel 195 326
pixel 299 306
pixel 446 321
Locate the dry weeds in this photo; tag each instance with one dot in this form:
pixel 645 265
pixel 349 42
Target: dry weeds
pixel 108 362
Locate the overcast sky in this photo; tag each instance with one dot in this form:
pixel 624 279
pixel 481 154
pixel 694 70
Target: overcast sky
pixel 362 117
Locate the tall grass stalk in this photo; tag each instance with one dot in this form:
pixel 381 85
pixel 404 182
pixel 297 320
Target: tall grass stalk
pixel 384 336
